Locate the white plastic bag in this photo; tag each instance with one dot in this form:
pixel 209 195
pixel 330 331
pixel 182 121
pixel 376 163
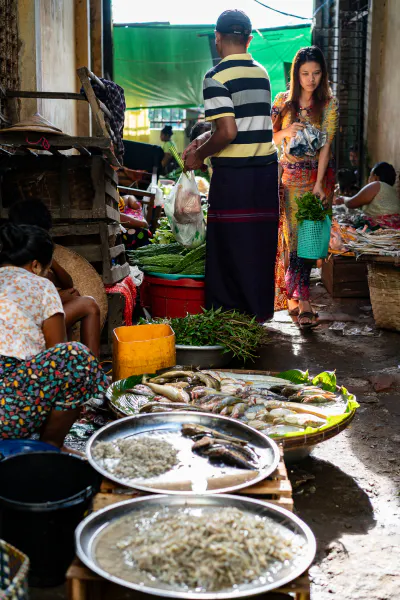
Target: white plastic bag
pixel 186 220
pixel 187 202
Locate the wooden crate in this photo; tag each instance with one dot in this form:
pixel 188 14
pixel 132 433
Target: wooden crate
pixel 97 242
pixel 83 584
pixel 345 277
pixel 72 187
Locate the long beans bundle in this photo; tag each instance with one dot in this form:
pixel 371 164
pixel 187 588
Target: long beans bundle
pixel 237 333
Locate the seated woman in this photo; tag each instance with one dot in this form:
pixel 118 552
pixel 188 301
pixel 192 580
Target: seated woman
pixel 44 380
pixel 378 200
pixel 168 163
pixel 83 309
pixel 136 232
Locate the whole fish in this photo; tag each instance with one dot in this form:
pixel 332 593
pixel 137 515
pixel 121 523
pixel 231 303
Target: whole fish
pixel 301 420
pixel 208 380
pixel 174 375
pixel 238 410
pixel 140 390
pixel 207 442
pixel 229 456
pixel 227 401
pixel 172 405
pixel 169 392
pixel 194 430
pixel 201 391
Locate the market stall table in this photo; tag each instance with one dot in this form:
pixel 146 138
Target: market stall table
pixel 83 584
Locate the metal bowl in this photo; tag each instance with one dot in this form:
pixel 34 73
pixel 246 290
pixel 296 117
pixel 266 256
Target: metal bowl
pixel 87 532
pixel 204 357
pixel 194 474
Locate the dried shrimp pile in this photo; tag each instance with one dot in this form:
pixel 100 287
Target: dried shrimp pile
pixel 211 552
pixel 143 457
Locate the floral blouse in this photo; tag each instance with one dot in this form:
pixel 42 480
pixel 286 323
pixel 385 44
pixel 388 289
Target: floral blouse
pixel 26 301
pixel 328 123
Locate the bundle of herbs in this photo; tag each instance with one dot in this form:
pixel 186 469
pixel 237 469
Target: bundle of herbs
pixel 310 208
pixel 238 333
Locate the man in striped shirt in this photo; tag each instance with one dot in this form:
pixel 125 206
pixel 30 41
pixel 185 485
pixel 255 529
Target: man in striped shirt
pixel 242 224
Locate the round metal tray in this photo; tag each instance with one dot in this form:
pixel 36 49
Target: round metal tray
pixel 194 474
pixel 87 532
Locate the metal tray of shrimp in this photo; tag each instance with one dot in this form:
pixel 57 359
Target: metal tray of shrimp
pixel 229 455
pixel 95 546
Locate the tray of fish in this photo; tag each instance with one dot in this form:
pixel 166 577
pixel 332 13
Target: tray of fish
pixel 182 453
pixel 206 547
pixel 274 406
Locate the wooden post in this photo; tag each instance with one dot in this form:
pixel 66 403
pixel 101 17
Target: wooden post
pixel 96 37
pixel 82 44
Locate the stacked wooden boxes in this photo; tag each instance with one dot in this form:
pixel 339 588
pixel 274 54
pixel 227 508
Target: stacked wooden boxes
pixel 81 194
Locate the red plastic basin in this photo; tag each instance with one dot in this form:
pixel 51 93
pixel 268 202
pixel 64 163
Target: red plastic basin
pixel 172 298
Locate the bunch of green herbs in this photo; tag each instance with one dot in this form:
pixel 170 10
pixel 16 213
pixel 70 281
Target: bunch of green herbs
pixel 310 208
pixel 239 334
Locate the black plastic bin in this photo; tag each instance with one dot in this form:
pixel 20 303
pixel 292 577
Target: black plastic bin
pixel 43 497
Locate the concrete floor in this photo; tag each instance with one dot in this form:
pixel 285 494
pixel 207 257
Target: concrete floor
pixel 348 490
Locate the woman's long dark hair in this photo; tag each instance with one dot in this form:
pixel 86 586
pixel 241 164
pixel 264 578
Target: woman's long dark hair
pixel 323 92
pixel 22 244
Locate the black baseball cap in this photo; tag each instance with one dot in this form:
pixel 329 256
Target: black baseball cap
pixel 234 21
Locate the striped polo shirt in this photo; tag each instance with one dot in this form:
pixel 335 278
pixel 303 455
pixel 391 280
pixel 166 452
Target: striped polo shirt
pixel 239 87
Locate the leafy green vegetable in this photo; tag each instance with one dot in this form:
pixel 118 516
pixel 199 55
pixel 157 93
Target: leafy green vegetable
pixel 163 234
pixel 326 381
pixel 310 208
pixel 119 388
pixel 237 333
pixel 295 376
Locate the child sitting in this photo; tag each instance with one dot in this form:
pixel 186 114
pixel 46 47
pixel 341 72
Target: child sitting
pixel 44 380
pixel 83 309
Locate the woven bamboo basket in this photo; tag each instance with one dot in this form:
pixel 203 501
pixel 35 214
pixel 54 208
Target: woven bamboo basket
pixel 298 442
pixel 14 567
pixel 384 287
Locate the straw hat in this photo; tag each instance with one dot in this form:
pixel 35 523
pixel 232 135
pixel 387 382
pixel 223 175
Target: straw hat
pixel 86 279
pixel 34 123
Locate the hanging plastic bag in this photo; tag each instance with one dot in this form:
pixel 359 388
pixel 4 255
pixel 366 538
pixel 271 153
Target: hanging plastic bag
pixel 187 220
pixel 307 141
pixel 187 205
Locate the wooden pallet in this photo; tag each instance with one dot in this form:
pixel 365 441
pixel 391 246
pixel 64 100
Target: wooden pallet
pixel 276 489
pixel 83 584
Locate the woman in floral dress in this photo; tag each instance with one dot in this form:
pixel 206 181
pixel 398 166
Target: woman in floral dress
pixel 44 380
pixel 309 99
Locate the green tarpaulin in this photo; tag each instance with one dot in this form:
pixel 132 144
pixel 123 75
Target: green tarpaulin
pixel 164 65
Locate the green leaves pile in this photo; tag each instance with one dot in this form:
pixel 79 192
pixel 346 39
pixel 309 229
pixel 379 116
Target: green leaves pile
pixel 310 208
pixel 325 380
pixel 237 333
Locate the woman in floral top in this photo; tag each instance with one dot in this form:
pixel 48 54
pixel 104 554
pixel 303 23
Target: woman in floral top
pixel 43 380
pixel 308 100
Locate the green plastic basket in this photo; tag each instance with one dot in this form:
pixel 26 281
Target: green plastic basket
pixel 313 239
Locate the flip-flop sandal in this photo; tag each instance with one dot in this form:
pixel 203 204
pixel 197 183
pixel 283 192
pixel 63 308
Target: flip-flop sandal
pixel 295 312
pixel 307 315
